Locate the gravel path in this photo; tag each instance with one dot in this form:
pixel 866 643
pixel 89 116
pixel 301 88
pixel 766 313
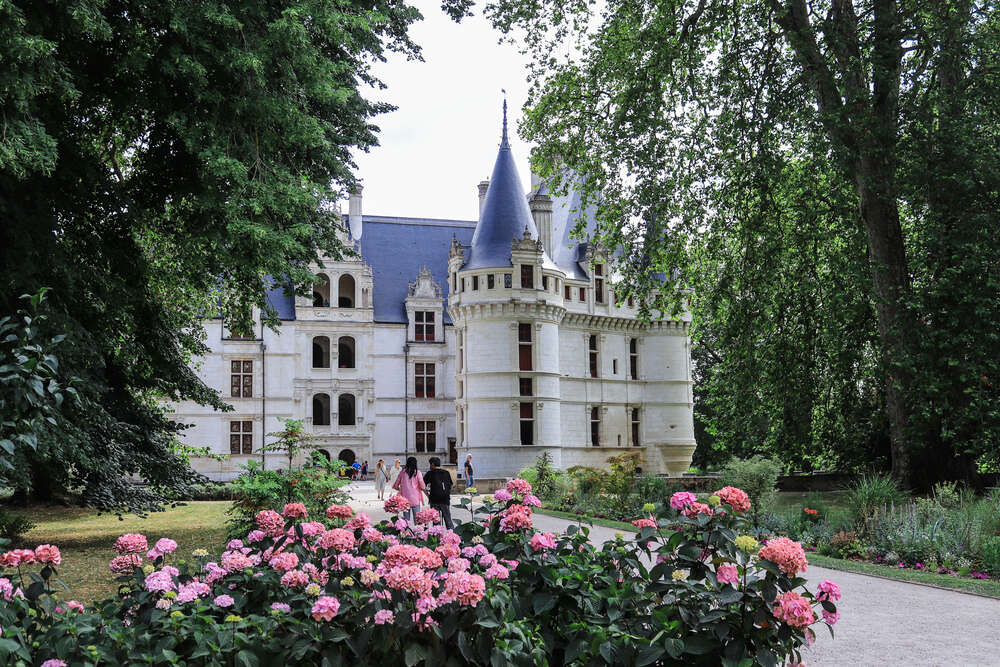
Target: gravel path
pixel 882 622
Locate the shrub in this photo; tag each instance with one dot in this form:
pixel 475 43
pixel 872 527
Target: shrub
pixel 492 592
pixel 545 477
pixel 846 545
pixel 13 527
pixel 870 493
pixel 529 475
pixel 757 476
pixel 991 555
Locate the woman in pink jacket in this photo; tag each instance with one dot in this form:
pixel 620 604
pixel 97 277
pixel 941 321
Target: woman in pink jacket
pixel 410 485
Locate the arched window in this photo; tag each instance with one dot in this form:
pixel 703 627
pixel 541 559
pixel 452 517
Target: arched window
pixel 321 291
pixel 321 410
pixel 345 352
pixel 321 352
pixel 345 410
pixel 345 291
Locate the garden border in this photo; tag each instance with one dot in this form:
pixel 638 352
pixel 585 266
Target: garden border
pixel 902 581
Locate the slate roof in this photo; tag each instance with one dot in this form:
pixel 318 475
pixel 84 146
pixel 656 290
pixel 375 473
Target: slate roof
pixel 397 248
pixel 281 301
pixel 569 253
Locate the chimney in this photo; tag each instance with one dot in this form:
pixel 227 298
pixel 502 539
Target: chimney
pixel 483 187
pixel 540 204
pixel 354 212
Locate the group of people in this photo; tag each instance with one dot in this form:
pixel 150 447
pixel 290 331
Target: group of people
pixel 434 485
pixel 358 471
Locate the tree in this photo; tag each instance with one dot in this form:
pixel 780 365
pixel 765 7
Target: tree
pixel 158 163
pixel 687 114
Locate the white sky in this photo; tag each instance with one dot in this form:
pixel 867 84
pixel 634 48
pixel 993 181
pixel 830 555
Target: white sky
pixel 443 138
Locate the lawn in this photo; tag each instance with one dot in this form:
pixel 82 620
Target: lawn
pixel 989 587
pixel 85 539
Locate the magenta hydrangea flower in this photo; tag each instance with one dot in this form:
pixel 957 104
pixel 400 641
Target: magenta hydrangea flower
pixel 325 608
pixel 396 505
pixel 223 601
pixel 47 553
pixel 165 545
pixel 339 512
pixel 727 574
pixel 280 606
pixel 532 501
pixel 503 495
pixel 794 609
pixel 831 617
pixel 125 563
pixel 540 541
pixel 54 662
pixel 384 617
pixel 519 486
pixel 828 591
pixel 682 499
pixel 131 543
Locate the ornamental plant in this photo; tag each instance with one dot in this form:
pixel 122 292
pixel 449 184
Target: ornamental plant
pixel 691 588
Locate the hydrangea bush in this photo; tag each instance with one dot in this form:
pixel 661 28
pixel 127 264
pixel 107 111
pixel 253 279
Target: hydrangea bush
pixel 691 587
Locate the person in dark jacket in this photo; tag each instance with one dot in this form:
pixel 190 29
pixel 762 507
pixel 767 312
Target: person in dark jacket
pixel 438 483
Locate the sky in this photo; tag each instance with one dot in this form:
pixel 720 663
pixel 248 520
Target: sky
pixel 443 138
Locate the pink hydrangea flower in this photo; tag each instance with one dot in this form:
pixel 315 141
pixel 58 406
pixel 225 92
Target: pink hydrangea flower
pixel 503 495
pixel 519 487
pixel 370 534
pixel 325 608
pixel 411 578
pixel 644 523
pixel 532 501
pixel 787 554
pixel 236 544
pixel 295 579
pixel 464 588
pixel 828 591
pixel 75 606
pixel 794 609
pixel 255 536
pixel 223 601
pixel 232 561
pixel 515 517
pixel 165 545
pixel 682 499
pixel 458 565
pixel 284 561
pixel 362 521
pixel 694 509
pixel 831 617
pixel 54 662
pixel 338 539
pixel 448 551
pixel 192 591
pixel 396 505
pixel 429 515
pixel 339 512
pixel 159 580
pixel 540 541
pixel 125 563
pixel 280 606
pixel 497 571
pixel 727 574
pixel 270 522
pixel 312 528
pixel 153 554
pixel 294 511
pixel 384 617
pixel 735 498
pixel 131 543
pixel 48 554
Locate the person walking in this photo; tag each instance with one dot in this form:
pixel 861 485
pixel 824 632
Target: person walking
pixel 410 485
pixel 469 479
pixel 438 483
pixel 381 478
pixel 364 471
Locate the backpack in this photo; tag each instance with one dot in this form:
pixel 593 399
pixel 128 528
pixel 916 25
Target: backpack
pixel 439 486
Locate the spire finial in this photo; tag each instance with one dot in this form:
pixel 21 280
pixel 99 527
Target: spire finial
pixel 504 143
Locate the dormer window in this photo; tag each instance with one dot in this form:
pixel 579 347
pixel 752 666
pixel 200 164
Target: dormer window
pixel 599 283
pixel 423 325
pixel 527 276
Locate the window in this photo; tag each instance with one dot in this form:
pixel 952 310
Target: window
pixel 424 380
pixel 614 367
pixel 507 280
pixel 525 387
pixel 345 352
pixel 423 325
pixel 321 291
pixel 321 352
pixel 463 284
pixel 461 351
pixel 595 426
pixel 454 282
pixel 592 353
pixel 321 410
pixel 635 427
pixel 345 410
pixel 475 283
pixel 630 301
pixel 426 432
pixel 633 358
pixel 242 379
pixel 599 283
pixel 583 294
pixel 490 281
pixel 527 423
pixel 545 283
pixel 345 289
pixel 567 292
pixel 527 276
pixel 240 437
pixel 524 346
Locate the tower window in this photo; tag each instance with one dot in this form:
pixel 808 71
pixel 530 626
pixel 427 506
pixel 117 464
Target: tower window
pixel 567 292
pixel 635 427
pixel 614 367
pixel 475 283
pixel 525 387
pixel 463 284
pixel 545 283
pixel 633 358
pixel 527 423
pixel 599 283
pixel 583 294
pixel 426 436
pixel 321 410
pixel 524 346
pixel 423 377
pixel 631 302
pixel 592 354
pixel 507 280
pixel 490 281
pixel 241 379
pixel 423 325
pixel 527 276
pixel 595 426
pixel 240 437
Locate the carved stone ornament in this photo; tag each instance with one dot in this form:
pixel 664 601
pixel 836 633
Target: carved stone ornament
pixel 425 287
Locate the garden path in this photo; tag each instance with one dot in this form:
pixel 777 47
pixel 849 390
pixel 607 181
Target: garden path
pixel 882 622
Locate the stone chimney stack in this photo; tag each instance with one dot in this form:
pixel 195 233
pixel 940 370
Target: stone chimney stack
pixel 540 204
pixel 354 212
pixel 483 187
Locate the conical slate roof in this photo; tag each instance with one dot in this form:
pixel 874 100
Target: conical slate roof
pixel 505 212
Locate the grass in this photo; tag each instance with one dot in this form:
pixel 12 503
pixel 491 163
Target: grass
pixel 85 539
pixel 583 518
pixel 989 587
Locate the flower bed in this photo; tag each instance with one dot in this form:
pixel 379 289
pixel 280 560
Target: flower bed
pixel 493 591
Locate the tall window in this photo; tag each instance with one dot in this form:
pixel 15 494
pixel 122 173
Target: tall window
pixel 599 283
pixel 595 426
pixel 461 351
pixel 423 325
pixel 345 410
pixel 241 379
pixel 592 353
pixel 321 410
pixel 583 294
pixel 345 287
pixel 527 276
pixel 321 291
pixel 545 283
pixel 321 352
pixel 631 302
pixel 463 284
pixel 635 427
pixel 633 358
pixel 524 346
pixel 567 292
pixel 507 280
pixel 527 423
pixel 475 283
pixel 424 380
pixel 525 387
pixel 241 437
pixel 345 352
pixel 490 281
pixel 426 432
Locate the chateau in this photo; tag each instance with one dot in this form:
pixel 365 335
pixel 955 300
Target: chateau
pixel 498 338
